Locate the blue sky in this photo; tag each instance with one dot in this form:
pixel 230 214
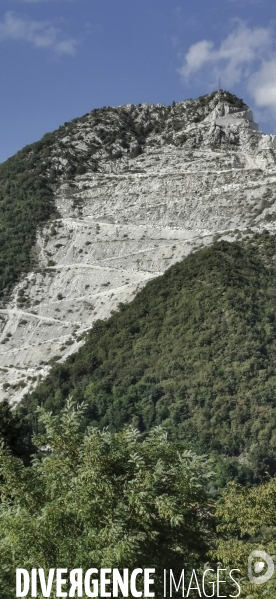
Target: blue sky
pixel 62 58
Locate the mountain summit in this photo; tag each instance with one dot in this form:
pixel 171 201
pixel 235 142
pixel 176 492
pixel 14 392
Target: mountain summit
pixel 109 201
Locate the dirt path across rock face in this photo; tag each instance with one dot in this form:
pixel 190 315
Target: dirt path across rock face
pixel 30 314
pixel 142 222
pixel 99 267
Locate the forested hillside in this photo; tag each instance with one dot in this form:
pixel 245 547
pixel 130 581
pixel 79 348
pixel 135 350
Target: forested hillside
pixel 194 351
pixel 26 201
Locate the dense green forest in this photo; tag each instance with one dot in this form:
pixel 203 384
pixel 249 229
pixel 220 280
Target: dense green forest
pixel 195 351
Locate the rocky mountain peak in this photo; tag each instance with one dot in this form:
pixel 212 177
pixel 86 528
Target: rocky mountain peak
pixel 109 139
pixel 135 189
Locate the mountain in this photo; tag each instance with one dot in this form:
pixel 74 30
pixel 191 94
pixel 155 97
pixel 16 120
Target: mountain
pixel 97 209
pixel 194 352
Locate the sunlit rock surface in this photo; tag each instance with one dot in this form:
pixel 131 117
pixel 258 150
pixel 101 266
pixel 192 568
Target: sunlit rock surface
pixel 202 171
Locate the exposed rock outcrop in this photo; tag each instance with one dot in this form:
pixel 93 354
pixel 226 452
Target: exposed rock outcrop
pixel 139 188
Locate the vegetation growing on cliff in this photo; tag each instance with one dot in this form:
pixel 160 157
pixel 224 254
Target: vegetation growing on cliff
pixel 26 201
pixel 28 179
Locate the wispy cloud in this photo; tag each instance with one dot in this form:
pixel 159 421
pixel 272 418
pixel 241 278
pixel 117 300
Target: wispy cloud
pixel 262 85
pixel 247 55
pixel 233 59
pixel 41 34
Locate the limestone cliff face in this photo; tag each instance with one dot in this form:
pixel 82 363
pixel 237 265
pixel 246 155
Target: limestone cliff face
pixel 139 188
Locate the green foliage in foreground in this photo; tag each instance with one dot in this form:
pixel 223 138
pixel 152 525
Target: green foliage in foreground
pixel 246 522
pixel 114 500
pixel 195 351
pixel 101 499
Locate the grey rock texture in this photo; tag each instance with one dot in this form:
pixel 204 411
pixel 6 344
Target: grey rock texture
pixel 152 184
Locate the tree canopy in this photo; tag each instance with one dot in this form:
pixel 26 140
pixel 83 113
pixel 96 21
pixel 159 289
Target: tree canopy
pixel 102 499
pixel 246 522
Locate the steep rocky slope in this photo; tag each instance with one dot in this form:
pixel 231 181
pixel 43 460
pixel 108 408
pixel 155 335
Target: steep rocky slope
pixel 136 189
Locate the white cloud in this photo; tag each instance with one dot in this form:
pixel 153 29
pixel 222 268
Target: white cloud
pixel 247 56
pixel 262 85
pixel 233 60
pixel 41 34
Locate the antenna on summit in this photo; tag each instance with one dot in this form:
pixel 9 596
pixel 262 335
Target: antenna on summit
pixel 219 85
